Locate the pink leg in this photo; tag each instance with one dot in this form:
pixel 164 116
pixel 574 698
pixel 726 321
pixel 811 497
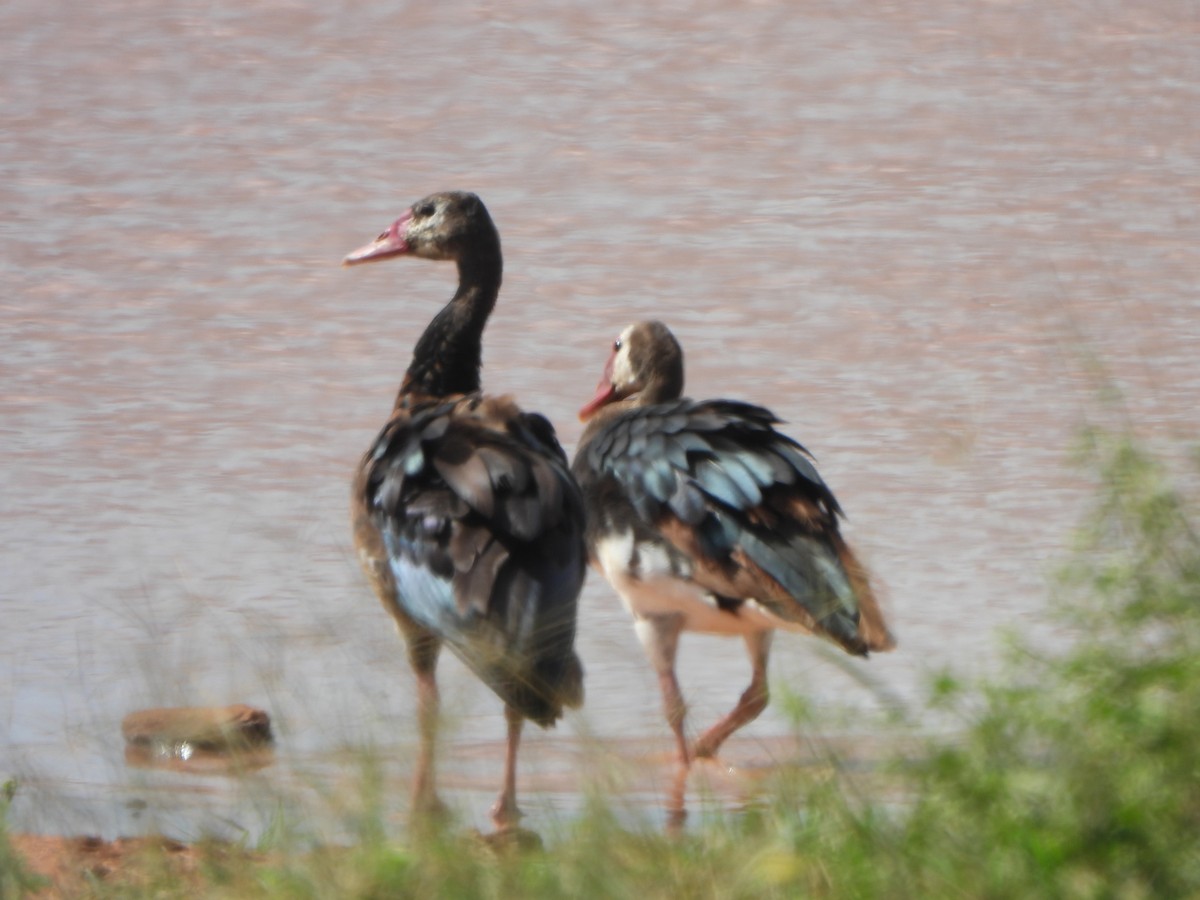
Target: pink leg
pixel 676 711
pixel 660 638
pixel 423 654
pixel 676 810
pixel 753 700
pixel 505 813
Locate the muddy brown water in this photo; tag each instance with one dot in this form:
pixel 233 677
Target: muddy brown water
pixel 910 231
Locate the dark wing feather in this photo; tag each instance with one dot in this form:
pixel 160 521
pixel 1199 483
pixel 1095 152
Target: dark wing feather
pixel 483 527
pixel 648 447
pixel 712 473
pixel 465 472
pixel 749 499
pixel 503 470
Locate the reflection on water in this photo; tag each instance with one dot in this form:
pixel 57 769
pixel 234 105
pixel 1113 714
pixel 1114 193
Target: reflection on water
pixel 910 232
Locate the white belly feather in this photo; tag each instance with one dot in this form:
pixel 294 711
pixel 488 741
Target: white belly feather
pixel 650 585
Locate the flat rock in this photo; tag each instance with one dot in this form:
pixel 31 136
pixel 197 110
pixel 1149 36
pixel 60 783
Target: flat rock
pixel 207 728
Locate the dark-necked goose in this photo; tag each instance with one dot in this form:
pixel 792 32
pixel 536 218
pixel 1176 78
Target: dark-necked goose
pixel 466 518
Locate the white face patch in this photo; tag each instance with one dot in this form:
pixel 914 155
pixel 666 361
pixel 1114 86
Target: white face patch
pixel 420 234
pixel 624 379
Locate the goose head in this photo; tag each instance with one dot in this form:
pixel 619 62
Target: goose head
pixel 443 226
pixel 644 367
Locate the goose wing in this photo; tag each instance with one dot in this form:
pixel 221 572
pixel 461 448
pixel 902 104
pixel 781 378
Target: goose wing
pixel 743 501
pixel 483 527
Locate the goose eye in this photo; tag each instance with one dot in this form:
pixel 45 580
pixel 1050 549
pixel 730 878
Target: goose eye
pixel 616 345
pixel 424 211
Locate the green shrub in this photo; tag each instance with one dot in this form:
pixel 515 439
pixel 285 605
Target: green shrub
pixel 15 878
pixel 1078 775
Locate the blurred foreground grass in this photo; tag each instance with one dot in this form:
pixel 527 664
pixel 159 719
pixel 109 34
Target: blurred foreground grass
pixel 1075 774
